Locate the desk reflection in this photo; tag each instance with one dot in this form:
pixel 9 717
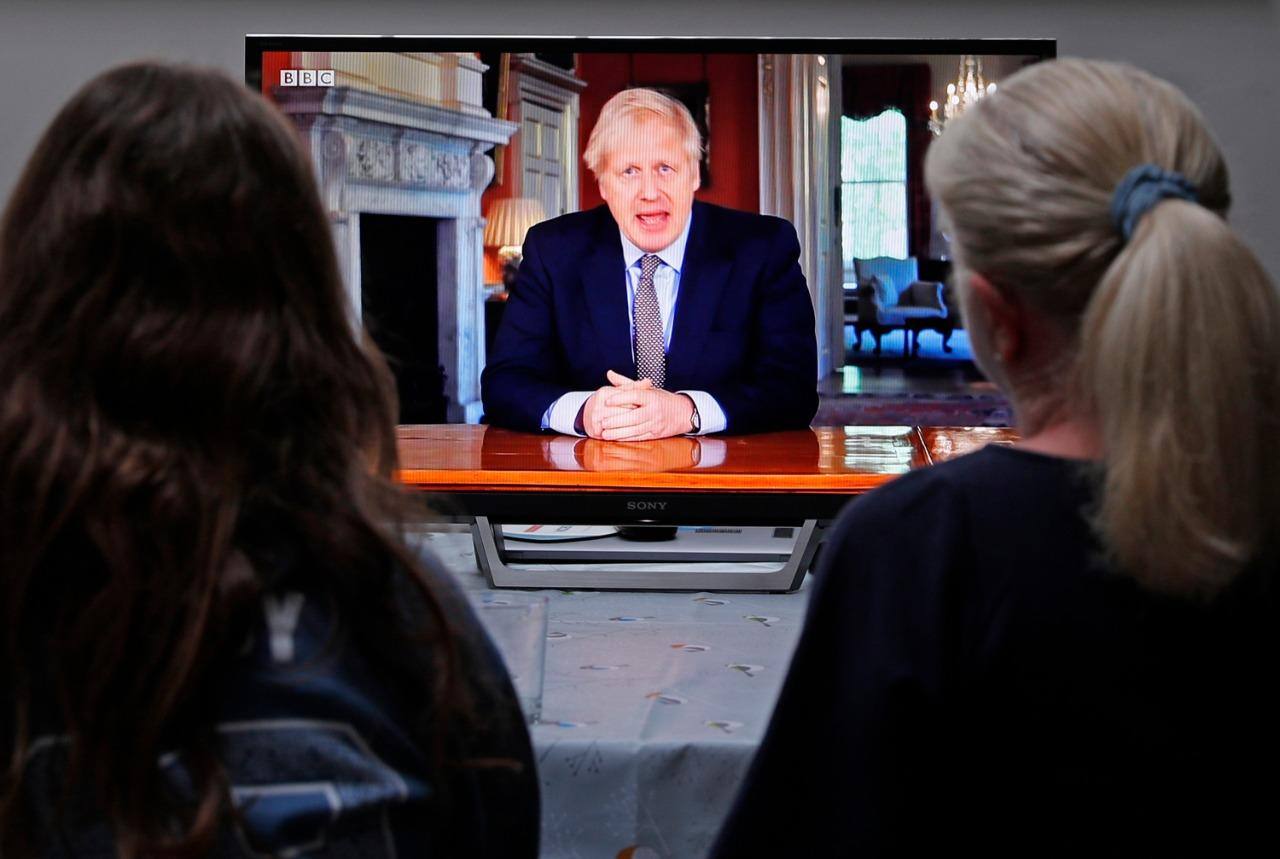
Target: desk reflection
pixel 795 452
pixel 664 454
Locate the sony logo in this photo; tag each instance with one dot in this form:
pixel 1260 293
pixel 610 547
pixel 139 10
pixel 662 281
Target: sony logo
pixel 646 505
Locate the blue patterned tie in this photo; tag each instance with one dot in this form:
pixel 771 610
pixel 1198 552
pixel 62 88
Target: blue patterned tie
pixel 651 354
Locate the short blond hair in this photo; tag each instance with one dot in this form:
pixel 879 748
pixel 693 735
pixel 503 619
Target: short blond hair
pixel 635 105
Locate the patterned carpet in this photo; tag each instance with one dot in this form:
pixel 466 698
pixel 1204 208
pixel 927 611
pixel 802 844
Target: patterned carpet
pixel 911 392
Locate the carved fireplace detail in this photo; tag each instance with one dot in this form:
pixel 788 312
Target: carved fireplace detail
pixel 378 153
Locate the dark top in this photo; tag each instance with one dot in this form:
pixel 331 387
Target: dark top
pixel 743 327
pixel 321 758
pixel 972 675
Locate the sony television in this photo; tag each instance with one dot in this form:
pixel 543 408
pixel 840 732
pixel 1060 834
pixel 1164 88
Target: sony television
pixel 436 156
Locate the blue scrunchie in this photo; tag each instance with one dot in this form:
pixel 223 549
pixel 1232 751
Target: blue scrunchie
pixel 1143 187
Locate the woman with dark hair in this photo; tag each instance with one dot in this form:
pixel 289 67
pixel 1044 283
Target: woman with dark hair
pixel 213 637
pixel 1068 646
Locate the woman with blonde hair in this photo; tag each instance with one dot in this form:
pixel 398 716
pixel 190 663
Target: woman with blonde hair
pixel 214 638
pixel 1067 645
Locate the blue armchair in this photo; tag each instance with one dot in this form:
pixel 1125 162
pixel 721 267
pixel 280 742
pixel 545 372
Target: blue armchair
pixel 890 295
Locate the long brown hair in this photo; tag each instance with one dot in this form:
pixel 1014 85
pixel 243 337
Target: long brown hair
pixel 1174 334
pixel 182 388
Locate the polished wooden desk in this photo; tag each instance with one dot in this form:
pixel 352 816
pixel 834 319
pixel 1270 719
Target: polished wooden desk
pixel 800 478
pixel 835 460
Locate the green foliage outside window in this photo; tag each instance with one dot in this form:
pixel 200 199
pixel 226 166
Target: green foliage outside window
pixel 873 175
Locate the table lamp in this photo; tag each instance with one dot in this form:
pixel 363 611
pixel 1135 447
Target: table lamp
pixel 509 219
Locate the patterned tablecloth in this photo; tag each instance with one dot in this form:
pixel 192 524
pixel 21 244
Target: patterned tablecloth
pixel 653 705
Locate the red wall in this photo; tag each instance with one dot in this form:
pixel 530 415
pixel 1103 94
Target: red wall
pixel 731 78
pixel 272 63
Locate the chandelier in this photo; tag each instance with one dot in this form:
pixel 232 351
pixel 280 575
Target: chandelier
pixel 969 88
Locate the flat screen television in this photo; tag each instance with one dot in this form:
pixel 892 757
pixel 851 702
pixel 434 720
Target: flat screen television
pixel 434 155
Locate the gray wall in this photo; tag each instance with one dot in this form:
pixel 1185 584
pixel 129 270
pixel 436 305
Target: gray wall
pixel 1225 54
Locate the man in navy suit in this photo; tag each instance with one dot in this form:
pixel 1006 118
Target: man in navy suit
pixel 655 315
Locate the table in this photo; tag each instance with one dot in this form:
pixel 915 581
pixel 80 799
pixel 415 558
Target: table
pixel 653 706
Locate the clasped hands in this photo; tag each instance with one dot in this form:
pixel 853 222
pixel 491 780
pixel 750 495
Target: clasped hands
pixel 630 410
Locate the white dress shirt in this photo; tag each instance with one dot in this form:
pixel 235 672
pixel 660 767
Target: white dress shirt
pixel 562 414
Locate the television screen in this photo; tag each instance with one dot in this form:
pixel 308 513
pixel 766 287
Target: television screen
pixel 664 286
pixel 436 156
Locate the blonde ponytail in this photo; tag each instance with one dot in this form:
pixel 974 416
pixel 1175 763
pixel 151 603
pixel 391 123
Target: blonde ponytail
pixel 1180 363
pixel 1176 327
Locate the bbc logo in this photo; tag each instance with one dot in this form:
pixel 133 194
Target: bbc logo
pixel 306 77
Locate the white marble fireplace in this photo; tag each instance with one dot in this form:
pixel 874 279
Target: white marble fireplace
pixel 378 153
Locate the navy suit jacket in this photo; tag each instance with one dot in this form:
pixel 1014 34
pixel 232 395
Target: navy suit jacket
pixel 743 330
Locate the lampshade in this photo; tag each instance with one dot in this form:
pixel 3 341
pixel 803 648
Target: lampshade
pixel 510 218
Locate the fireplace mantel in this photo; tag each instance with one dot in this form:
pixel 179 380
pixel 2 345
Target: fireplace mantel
pixel 379 153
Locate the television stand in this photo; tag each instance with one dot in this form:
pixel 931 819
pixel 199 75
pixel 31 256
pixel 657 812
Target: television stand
pixel 713 558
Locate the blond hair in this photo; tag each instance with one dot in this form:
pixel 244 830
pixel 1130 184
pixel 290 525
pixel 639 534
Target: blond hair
pixel 636 105
pixel 1173 337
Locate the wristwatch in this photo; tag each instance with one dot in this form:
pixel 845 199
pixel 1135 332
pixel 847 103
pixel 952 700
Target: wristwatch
pixel 695 422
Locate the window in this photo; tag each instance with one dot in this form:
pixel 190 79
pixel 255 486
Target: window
pixel 873 176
